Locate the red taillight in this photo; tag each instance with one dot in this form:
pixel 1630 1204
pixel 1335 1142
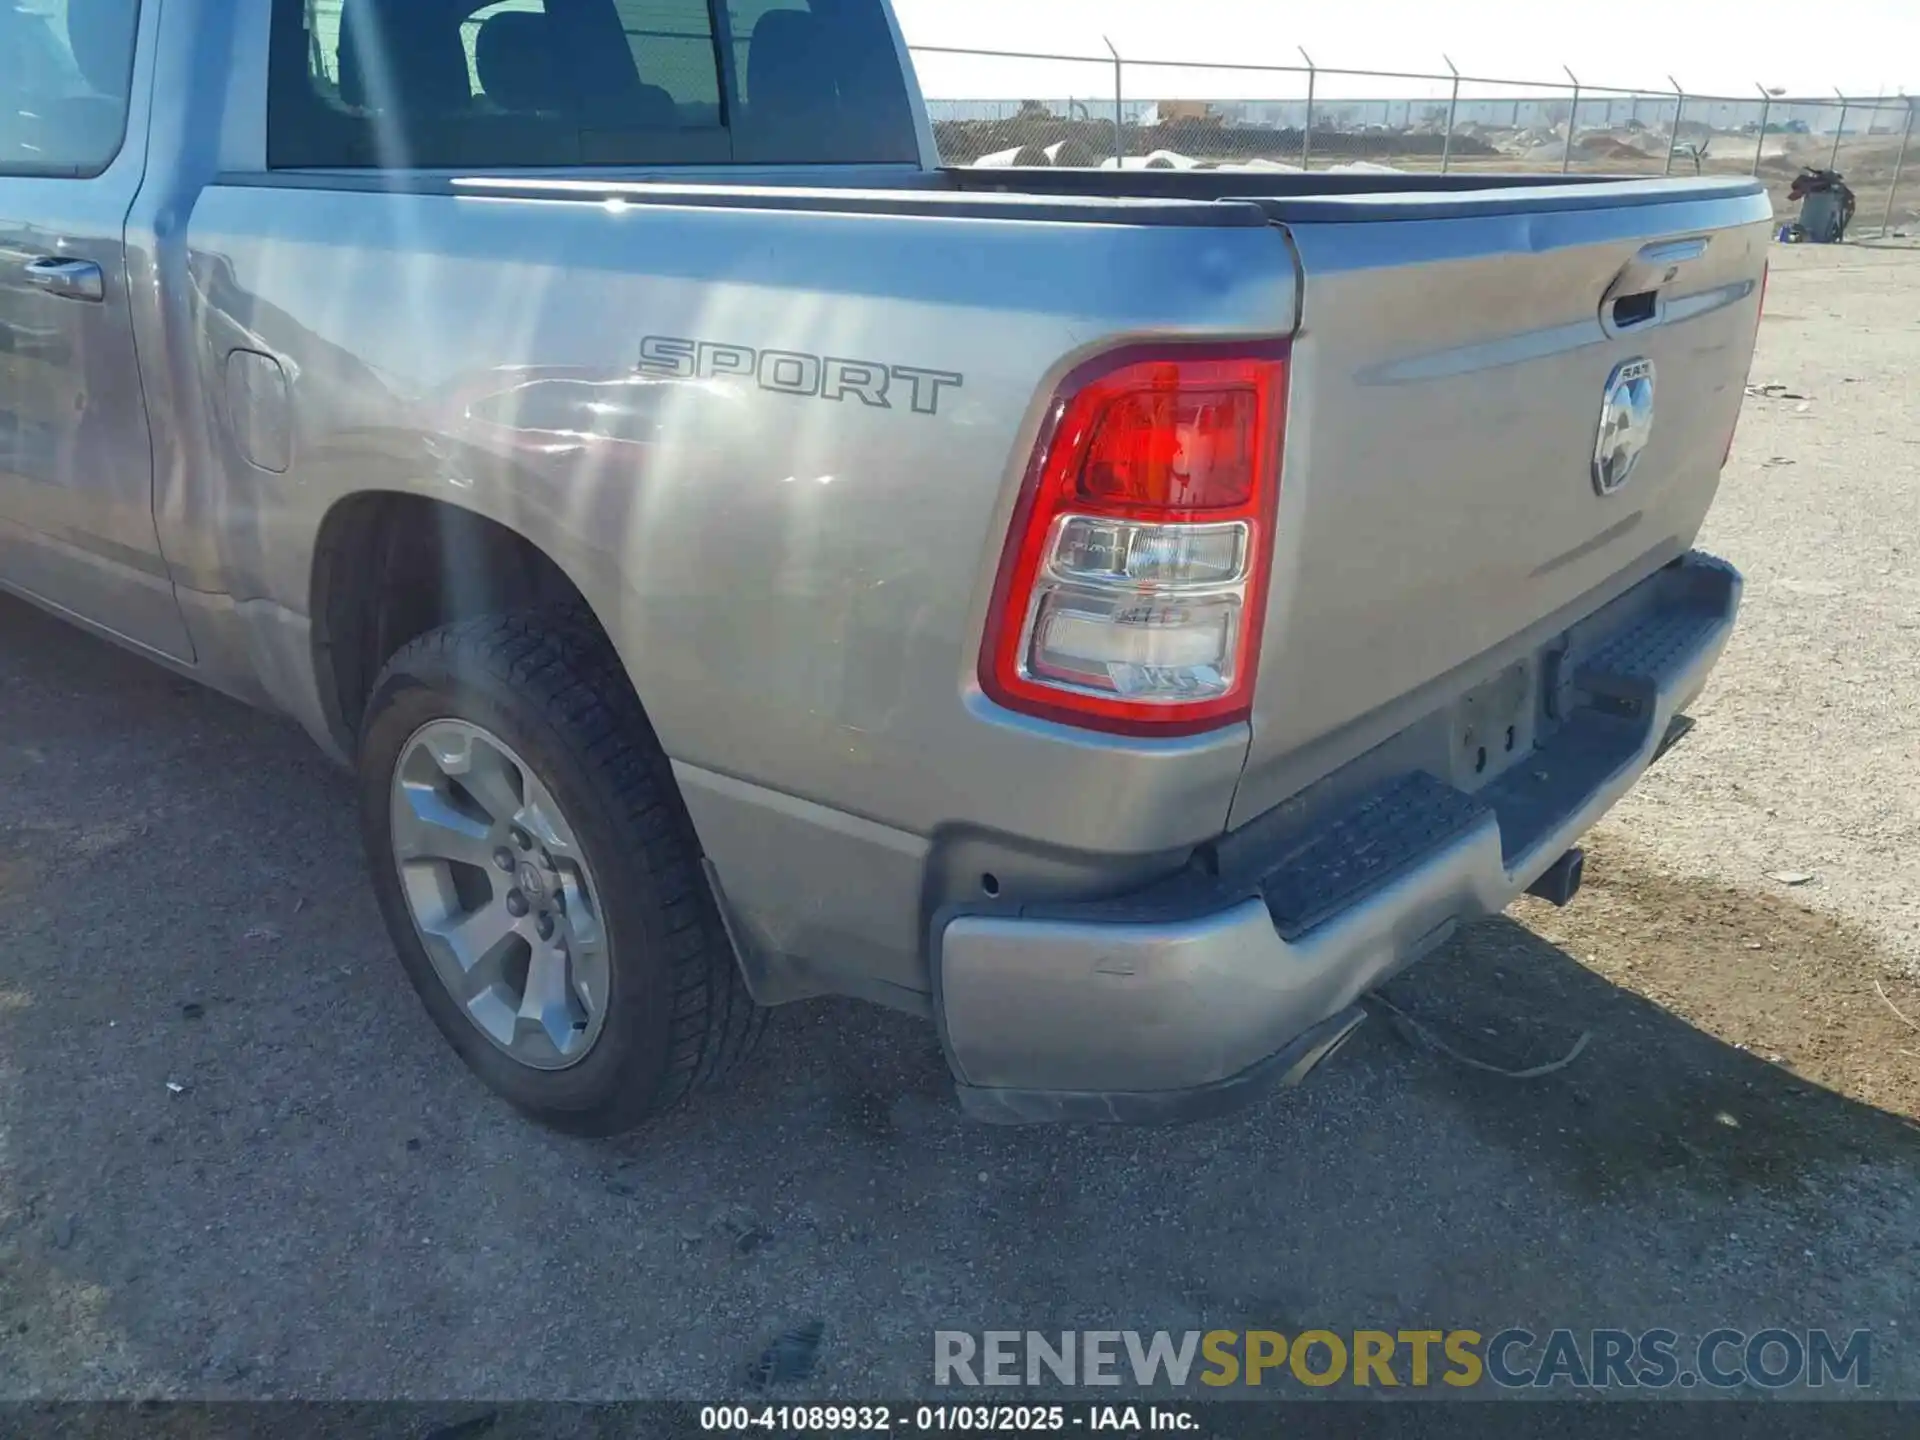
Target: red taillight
pixel 1132 589
pixel 1170 447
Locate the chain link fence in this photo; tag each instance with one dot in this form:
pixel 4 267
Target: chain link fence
pixel 1103 110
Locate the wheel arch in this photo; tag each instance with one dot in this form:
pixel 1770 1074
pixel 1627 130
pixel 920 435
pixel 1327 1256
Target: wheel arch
pixel 390 565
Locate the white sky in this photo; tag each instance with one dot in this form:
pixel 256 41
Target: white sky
pixel 1863 46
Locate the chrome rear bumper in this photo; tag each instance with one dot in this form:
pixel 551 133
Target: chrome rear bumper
pixel 1200 993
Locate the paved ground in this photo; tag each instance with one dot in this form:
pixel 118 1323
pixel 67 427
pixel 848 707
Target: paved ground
pixel 327 1205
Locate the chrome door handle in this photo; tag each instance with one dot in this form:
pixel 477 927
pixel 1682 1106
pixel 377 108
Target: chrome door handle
pixel 1673 252
pixel 69 279
pixel 1634 298
pixel 1657 264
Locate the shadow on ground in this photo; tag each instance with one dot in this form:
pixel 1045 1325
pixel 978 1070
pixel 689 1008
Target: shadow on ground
pixel 1651 1098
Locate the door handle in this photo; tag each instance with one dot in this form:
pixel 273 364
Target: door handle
pixel 1673 252
pixel 1657 264
pixel 1634 298
pixel 69 279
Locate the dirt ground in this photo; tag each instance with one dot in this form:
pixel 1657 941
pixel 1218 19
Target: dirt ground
pixel 1869 164
pixel 1867 169
pixel 236 1162
pixel 1762 882
pixel 1783 982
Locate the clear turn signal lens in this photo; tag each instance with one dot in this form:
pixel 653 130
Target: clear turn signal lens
pixel 1147 651
pixel 1094 548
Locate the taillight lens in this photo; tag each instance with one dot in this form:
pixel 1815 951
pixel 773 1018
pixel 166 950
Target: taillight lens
pixel 1165 447
pixel 1133 585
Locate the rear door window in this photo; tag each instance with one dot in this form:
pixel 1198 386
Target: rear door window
pixel 66 72
pixel 818 81
pixel 672 45
pixel 401 84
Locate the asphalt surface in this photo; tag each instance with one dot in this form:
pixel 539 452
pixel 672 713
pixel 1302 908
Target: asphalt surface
pixel 236 1160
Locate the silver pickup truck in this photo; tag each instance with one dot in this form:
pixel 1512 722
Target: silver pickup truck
pixel 1121 616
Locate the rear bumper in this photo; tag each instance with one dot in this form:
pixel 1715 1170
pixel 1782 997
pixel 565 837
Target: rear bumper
pixel 1242 973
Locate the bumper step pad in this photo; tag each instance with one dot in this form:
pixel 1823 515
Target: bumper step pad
pixel 1397 824
pixel 1389 830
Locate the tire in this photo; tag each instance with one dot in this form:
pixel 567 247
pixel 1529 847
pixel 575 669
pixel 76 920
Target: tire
pixel 676 1014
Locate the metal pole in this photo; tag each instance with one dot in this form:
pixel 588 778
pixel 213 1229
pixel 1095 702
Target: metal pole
pixel 1833 160
pixel 1899 163
pixel 1766 108
pixel 1306 136
pixel 1453 106
pixel 1119 141
pixel 1566 155
pixel 1679 109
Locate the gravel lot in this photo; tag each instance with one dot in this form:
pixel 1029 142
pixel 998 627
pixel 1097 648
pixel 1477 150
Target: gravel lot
pixel 328 1206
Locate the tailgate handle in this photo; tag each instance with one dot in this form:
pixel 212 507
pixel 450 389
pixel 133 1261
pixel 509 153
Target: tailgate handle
pixel 1634 298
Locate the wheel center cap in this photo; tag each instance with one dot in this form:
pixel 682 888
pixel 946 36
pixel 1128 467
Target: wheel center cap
pixel 532 881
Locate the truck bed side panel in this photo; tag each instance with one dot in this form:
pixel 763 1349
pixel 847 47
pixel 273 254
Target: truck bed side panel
pixel 795 579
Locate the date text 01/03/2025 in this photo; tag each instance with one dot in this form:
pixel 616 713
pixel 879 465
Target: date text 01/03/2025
pixel 973 1419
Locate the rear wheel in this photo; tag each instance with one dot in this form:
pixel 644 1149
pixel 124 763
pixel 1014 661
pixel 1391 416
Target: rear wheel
pixel 539 877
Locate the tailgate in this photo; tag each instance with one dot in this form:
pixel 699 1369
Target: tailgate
pixel 1441 502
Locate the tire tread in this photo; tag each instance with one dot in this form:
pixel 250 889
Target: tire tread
pixel 558 659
